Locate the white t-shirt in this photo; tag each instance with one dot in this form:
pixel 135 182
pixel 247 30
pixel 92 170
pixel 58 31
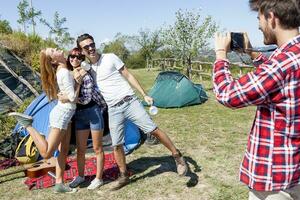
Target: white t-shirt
pixel 112 85
pixel 66 84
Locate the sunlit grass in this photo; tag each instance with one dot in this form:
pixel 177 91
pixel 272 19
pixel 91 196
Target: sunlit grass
pixel 212 138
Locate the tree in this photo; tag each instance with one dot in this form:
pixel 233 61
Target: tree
pixel 117 46
pixel 23 15
pixel 61 34
pixel 5 27
pixel 149 42
pixel 27 15
pixel 187 36
pixel 32 13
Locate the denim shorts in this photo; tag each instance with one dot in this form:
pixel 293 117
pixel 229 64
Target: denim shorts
pixel 135 112
pixel 89 118
pixel 60 117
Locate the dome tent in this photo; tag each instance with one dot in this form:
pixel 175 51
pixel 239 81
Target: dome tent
pixel 40 109
pixel 174 90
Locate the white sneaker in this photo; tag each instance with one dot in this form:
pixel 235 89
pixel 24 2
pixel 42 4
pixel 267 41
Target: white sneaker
pixel 76 182
pixel 95 184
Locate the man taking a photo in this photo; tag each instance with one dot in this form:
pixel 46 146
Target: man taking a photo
pixel 271 165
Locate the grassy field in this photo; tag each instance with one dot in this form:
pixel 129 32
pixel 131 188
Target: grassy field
pixel 212 139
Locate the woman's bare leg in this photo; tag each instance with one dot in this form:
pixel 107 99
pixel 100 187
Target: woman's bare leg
pixel 63 152
pixel 98 149
pixel 81 140
pixel 46 147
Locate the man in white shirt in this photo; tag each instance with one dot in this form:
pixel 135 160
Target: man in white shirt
pixel 113 80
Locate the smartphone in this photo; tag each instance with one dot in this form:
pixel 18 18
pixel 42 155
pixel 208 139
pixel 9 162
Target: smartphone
pixel 237 41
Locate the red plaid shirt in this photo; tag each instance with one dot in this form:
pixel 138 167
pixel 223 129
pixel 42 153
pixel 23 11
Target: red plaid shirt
pixel 272 157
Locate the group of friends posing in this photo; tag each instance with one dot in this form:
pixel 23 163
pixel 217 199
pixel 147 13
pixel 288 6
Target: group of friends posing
pixel 271 165
pixel 84 91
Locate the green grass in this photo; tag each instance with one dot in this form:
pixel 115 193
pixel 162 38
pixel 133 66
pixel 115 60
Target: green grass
pixel 212 138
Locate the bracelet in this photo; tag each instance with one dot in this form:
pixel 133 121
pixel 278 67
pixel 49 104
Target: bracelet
pixel 219 50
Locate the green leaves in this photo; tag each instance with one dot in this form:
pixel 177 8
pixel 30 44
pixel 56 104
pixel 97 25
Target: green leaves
pixel 27 15
pixel 61 35
pixel 188 34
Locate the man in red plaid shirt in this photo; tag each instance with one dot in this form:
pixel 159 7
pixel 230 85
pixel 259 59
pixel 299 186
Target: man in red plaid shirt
pixel 271 165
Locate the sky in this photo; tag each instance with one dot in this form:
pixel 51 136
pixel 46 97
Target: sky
pixel 104 19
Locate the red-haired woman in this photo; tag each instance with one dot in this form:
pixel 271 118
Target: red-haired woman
pixel 55 76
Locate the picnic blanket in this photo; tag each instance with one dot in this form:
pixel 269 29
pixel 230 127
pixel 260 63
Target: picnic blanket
pixel 110 173
pixel 8 162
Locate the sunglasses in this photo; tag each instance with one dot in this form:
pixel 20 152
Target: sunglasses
pixel 87 47
pixel 79 57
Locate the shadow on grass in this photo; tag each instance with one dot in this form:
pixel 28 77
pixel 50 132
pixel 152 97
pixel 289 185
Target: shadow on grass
pixel 166 164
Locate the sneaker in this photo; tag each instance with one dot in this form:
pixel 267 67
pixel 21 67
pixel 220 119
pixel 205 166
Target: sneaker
pixel 61 188
pixel 23 120
pixel 121 181
pixel 76 182
pixel 180 164
pixel 95 184
pixel 151 140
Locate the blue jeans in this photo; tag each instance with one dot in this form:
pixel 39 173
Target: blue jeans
pixel 135 112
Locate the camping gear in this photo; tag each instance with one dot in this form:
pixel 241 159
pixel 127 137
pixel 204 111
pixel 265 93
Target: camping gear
pixel 26 151
pixel 7 163
pixel 8 146
pixel 41 167
pixel 110 173
pixel 40 108
pixel 174 90
pixel 32 170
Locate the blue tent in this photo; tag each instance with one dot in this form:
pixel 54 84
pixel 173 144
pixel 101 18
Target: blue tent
pixel 40 108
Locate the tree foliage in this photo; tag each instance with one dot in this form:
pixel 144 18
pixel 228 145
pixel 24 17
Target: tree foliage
pixel 23 15
pixel 117 46
pixel 27 15
pixel 5 27
pixel 188 35
pixel 32 14
pixel 61 35
pixel 148 42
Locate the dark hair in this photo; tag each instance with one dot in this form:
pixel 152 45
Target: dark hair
pixel 82 37
pixel 287 11
pixel 74 51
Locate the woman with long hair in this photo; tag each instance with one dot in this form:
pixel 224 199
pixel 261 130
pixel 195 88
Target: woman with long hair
pixel 55 77
pixel 88 118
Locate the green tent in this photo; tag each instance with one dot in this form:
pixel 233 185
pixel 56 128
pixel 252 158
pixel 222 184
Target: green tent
pixel 173 90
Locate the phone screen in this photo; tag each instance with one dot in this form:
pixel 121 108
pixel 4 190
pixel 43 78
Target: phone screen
pixel 237 41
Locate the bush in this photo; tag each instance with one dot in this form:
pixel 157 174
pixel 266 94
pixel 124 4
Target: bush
pixel 8 123
pixel 5 27
pixel 26 47
pixel 135 61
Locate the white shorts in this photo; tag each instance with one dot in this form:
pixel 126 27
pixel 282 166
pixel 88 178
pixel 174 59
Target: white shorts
pixel 60 117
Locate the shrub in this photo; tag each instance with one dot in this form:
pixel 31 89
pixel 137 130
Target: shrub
pixel 135 61
pixel 5 27
pixel 8 123
pixel 26 47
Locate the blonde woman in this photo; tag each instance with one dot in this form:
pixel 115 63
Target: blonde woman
pixel 55 77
